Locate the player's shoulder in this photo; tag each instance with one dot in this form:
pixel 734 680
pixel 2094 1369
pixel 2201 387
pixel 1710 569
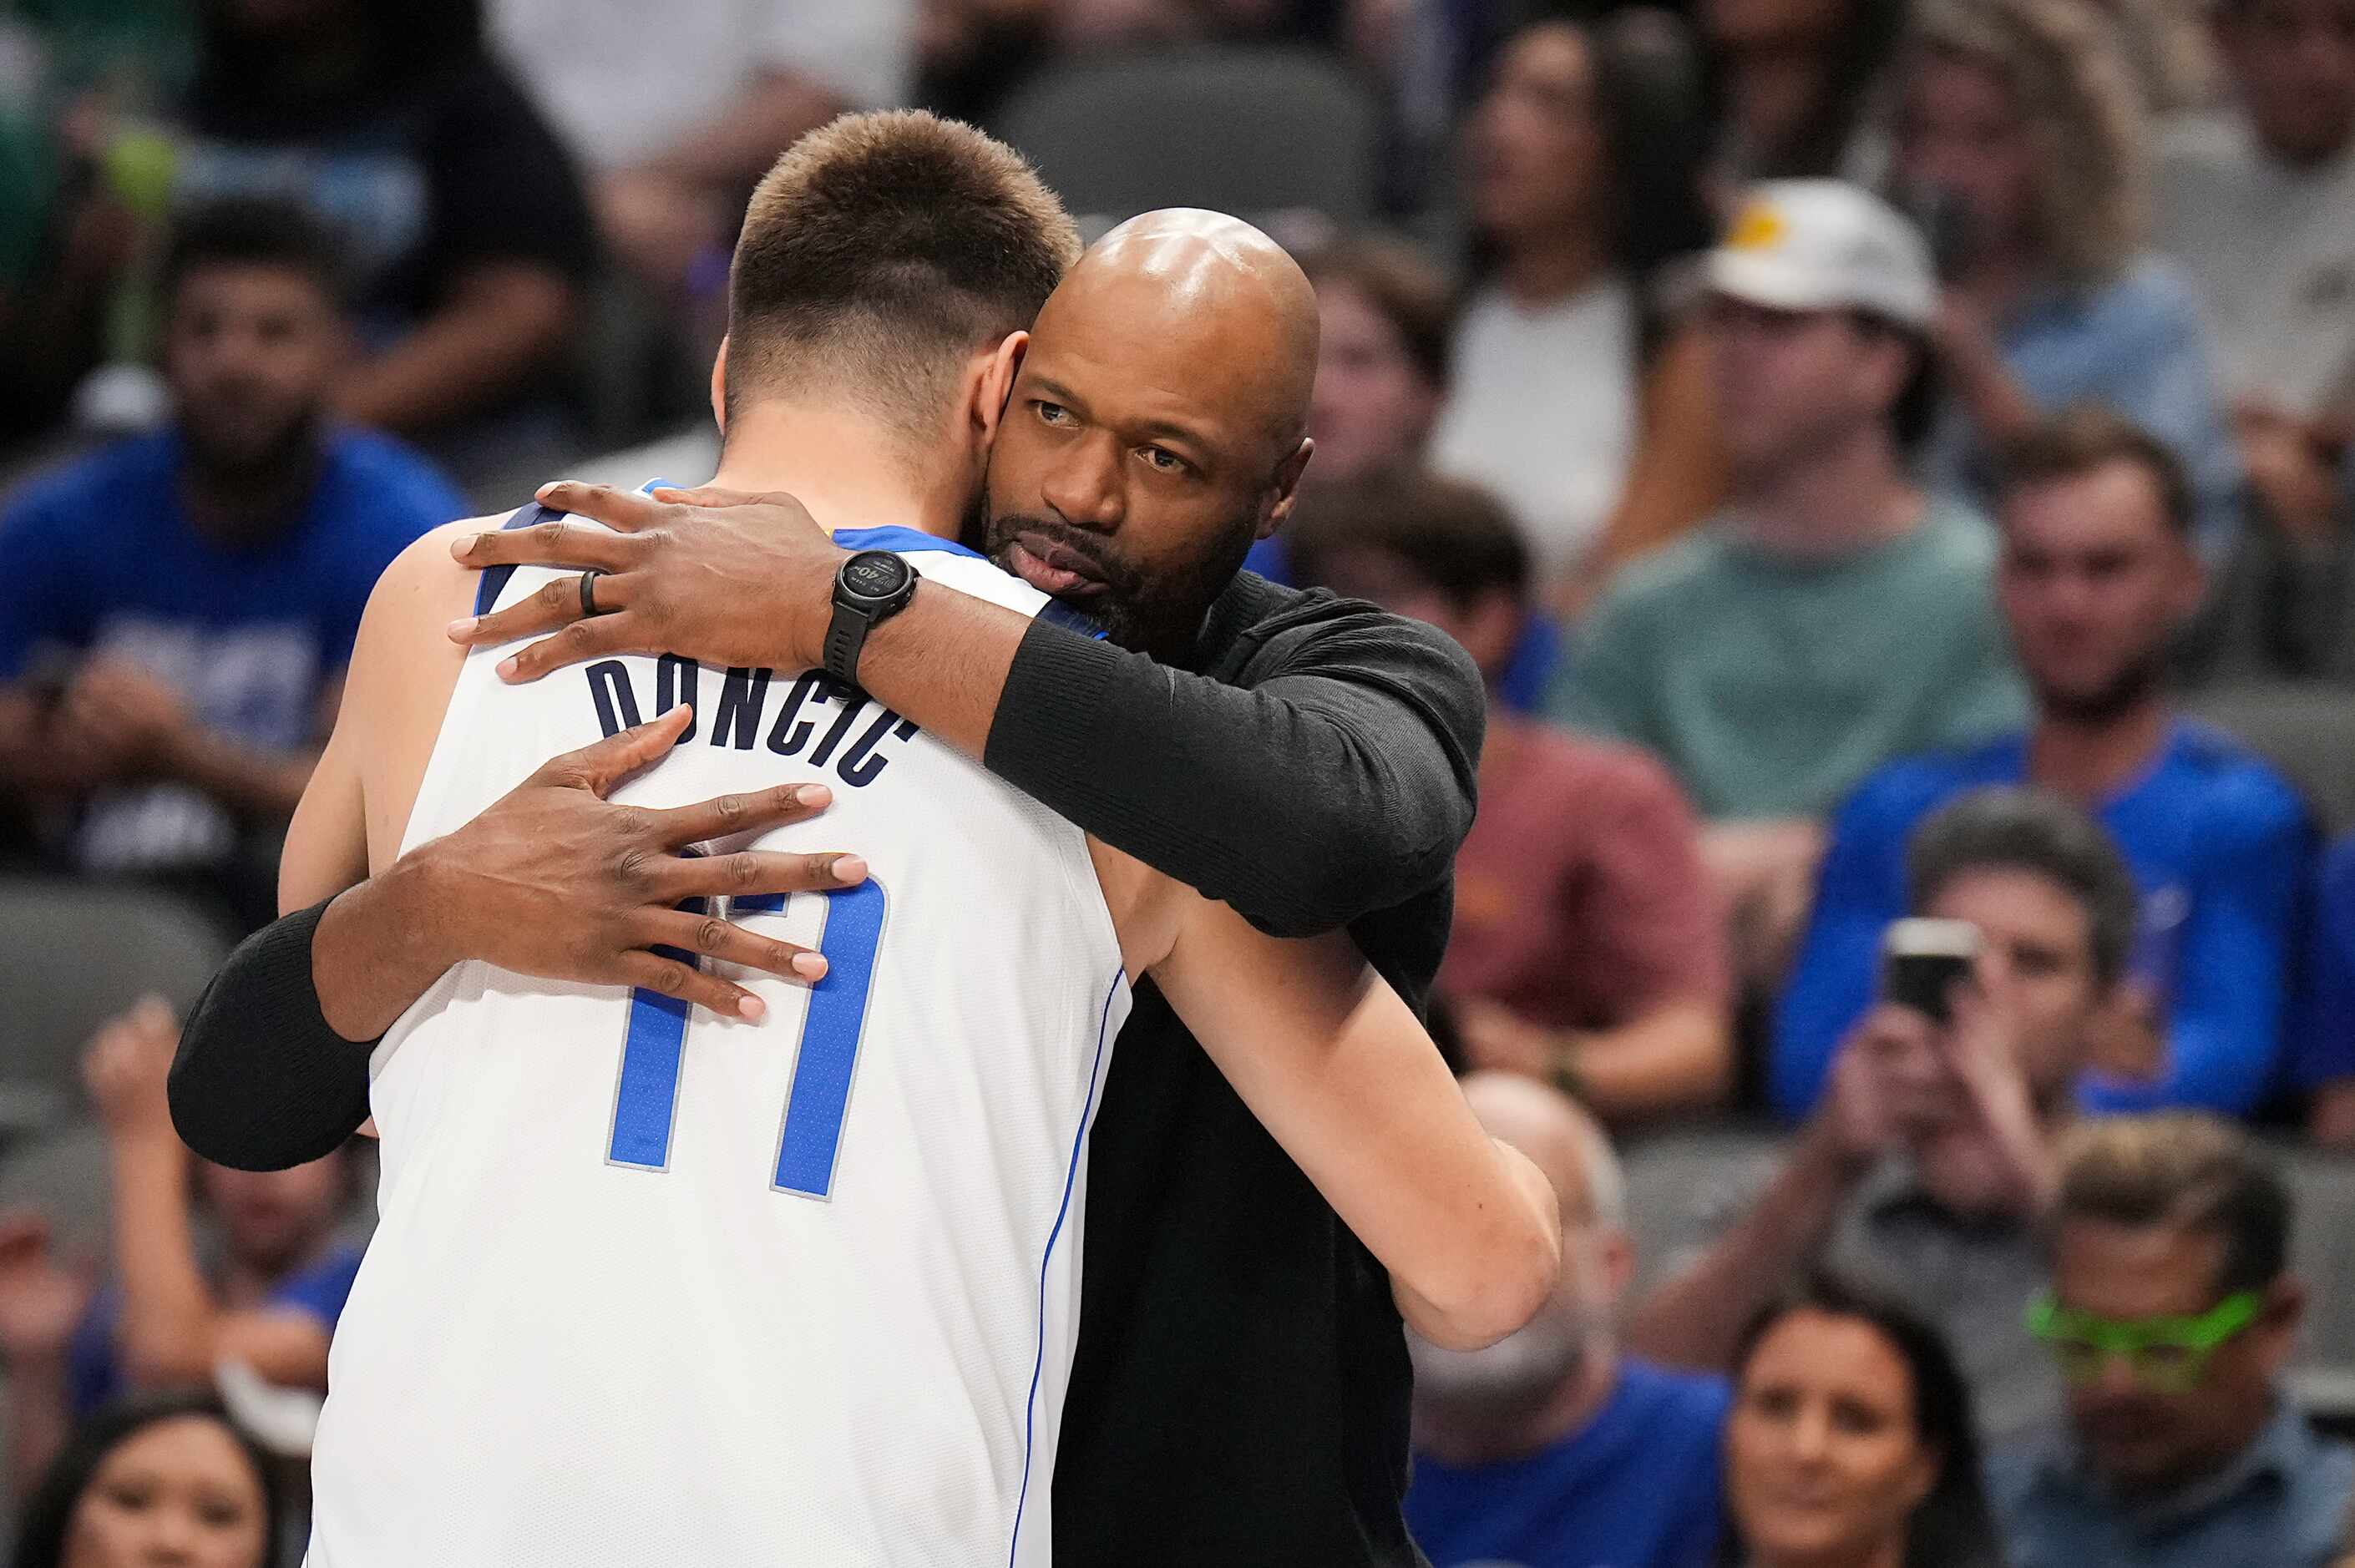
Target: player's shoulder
pixel 426 579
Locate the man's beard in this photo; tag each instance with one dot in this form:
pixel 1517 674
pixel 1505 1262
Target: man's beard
pixel 246 465
pixel 2124 691
pixel 1512 1379
pixel 1159 615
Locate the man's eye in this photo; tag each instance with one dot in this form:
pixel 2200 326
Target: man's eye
pixel 1164 459
pixel 1051 413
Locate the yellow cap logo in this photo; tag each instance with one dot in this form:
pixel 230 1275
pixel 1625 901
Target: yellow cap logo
pixel 1756 226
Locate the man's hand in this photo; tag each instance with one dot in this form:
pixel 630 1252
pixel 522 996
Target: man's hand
pixel 715 575
pixel 119 722
pixel 126 1068
pixel 558 882
pixel 1496 1039
pixel 1859 1116
pixel 41 1300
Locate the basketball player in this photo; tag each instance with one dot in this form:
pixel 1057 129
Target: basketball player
pixel 799 1287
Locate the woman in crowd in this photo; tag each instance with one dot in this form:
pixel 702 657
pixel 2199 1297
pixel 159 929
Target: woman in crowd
pixel 1579 184
pixel 1851 1444
pixel 2021 141
pixel 156 1480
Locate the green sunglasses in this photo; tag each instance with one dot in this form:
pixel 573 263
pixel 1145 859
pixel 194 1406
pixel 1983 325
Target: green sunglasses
pixel 2168 1354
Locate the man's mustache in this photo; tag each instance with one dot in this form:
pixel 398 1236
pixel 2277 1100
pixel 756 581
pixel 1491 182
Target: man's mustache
pixel 1117 574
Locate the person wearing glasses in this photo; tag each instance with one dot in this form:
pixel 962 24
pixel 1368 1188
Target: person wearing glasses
pixel 2171 1314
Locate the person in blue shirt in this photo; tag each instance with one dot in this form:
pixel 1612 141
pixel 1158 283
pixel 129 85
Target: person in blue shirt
pixel 174 1310
pixel 2173 1319
pixel 2020 139
pixel 2096 574
pixel 1552 1450
pixel 179 608
pixel 2323 1065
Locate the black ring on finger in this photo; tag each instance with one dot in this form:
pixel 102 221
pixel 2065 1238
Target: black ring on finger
pixel 588 592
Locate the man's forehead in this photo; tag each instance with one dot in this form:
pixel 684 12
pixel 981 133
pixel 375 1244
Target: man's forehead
pixel 1127 369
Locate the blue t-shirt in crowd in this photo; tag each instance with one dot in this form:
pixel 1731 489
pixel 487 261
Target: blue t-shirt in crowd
pixel 2325 1043
pixel 100 557
pixel 1635 1487
pixel 2219 845
pixel 94 1367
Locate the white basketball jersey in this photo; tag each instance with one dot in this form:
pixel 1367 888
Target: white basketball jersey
pixel 654 1287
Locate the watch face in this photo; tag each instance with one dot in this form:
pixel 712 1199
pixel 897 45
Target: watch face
pixel 873 574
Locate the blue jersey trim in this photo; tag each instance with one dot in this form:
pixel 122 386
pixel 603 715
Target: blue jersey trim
pixel 899 538
pixel 495 579
pixel 1055 612
pixel 1071 1176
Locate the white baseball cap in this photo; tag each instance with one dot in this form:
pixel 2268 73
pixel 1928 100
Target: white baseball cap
pixel 1824 245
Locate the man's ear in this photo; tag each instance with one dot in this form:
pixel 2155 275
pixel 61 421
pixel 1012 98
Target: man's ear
pixel 719 389
pixel 993 387
pixel 1287 486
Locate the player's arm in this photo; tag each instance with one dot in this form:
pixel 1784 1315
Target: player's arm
pixel 553 880
pixel 1337 1068
pixel 1339 782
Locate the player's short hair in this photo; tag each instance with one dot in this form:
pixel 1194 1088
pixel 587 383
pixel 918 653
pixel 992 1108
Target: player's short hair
pixel 879 253
pixel 2186 1172
pixel 2087 436
pixel 2011 829
pixel 1453 535
pixel 254 232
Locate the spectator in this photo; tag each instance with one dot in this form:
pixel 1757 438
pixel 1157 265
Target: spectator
pixel 1833 615
pixel 1543 405
pixel 676 111
pixel 1588 948
pixel 2258 202
pixel 1551 1449
pixel 1851 1444
pixel 2324 1065
pixel 2097 574
pixel 461 216
pixel 2020 133
pixel 2171 1317
pixel 271 1303
pixel 1796 77
pixel 180 606
pixel 1384 314
pixel 1928 1163
pixel 155 1481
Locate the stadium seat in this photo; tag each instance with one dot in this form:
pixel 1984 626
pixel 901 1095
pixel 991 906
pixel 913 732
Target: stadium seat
pixel 1247 131
pixel 72 955
pixel 2305 729
pixel 2322 1187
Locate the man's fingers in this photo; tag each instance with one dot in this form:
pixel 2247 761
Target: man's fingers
pixel 599 766
pixel 630 511
pixel 716 939
pixel 615 633
pixel 554 543
pixel 760 871
pixel 555 603
pixel 753 812
pixel 714 495
pixel 669 977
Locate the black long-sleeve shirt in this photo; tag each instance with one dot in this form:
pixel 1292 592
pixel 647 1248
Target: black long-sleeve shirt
pixel 1240 1391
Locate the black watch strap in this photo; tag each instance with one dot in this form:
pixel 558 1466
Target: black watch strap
pixel 844 638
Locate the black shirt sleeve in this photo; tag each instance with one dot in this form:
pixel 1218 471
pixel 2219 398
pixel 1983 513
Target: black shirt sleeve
pixel 1322 770
pixel 261 1081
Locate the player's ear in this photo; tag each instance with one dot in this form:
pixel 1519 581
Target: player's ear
pixel 996 386
pixel 719 389
pixel 1286 486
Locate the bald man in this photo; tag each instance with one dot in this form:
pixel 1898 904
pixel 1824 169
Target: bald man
pixel 1553 1448
pixel 1240 1388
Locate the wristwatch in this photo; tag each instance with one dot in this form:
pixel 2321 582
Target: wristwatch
pixel 872 587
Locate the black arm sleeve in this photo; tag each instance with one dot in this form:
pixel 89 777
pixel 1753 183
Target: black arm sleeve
pixel 262 1082
pixel 1328 775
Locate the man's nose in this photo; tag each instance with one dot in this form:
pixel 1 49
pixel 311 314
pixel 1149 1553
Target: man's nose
pixel 1083 487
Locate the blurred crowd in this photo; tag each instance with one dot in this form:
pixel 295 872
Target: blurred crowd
pixel 1889 459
